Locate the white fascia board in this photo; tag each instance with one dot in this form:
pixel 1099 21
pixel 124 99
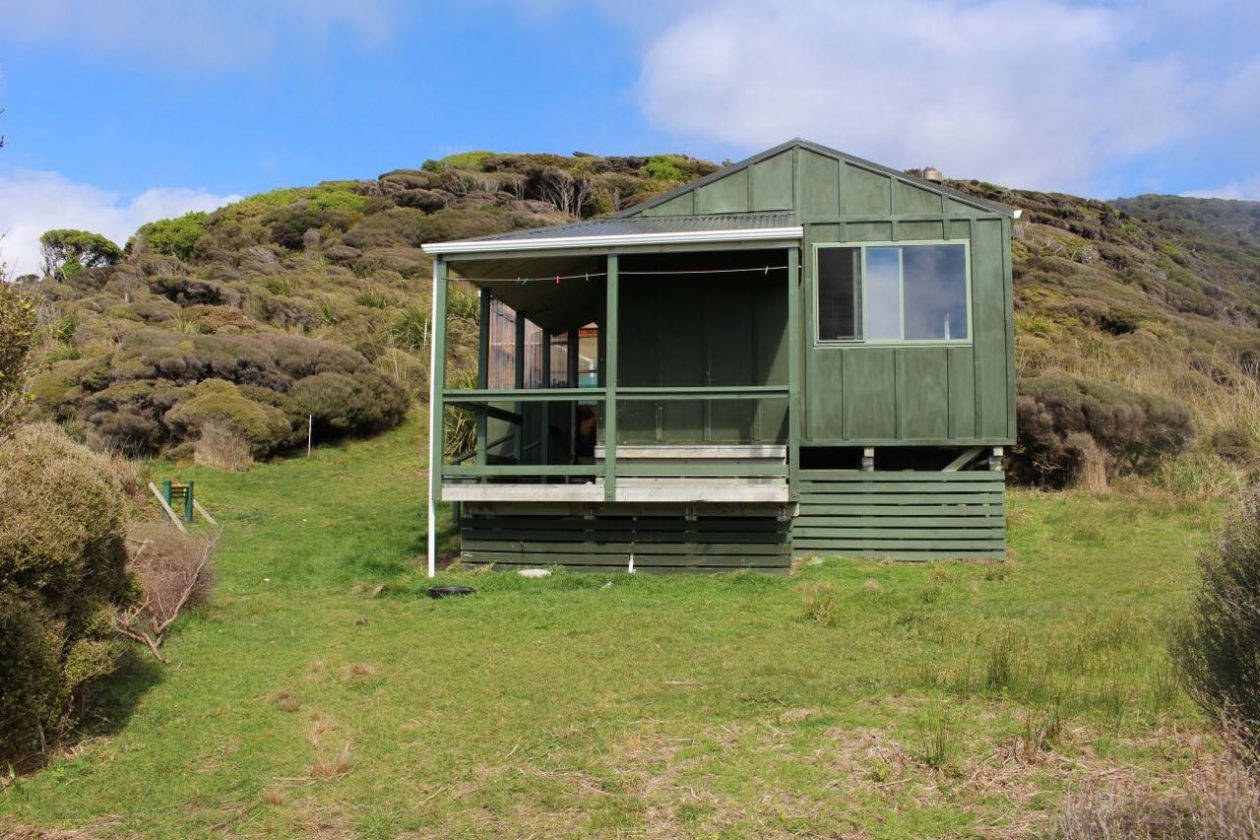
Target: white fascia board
pixel 614 240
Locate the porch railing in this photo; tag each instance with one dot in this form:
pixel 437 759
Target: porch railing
pixel 480 400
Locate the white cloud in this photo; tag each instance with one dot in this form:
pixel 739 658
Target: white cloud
pixel 1047 93
pixel 34 202
pixel 196 33
pixel 1247 189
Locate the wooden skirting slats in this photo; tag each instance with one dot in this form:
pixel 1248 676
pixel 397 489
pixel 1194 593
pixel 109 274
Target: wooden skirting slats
pixel 908 515
pixel 657 543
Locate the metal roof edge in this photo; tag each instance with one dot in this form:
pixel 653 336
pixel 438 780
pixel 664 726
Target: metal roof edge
pixel 476 246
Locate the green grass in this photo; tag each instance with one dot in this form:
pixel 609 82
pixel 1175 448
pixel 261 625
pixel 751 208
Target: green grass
pixel 890 700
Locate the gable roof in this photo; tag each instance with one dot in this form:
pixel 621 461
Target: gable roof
pixel 826 151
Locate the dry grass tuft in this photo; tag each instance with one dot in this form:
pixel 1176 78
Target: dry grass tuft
pixel 221 448
pixel 286 701
pixel 359 621
pixel 317 667
pixel 334 768
pixel 372 590
pixel 360 669
pixel 820 602
pixel 273 797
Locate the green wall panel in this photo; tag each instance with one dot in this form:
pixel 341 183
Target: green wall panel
pixel 869 401
pixel 868 232
pixel 989 313
pixel 864 193
pixel 772 185
pixel 920 230
pixel 914 199
pixel 725 195
pixel 922 393
pixel 820 186
pixel 683 205
pixel 962 392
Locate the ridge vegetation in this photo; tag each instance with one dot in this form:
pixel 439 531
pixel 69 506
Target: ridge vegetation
pixel 1136 319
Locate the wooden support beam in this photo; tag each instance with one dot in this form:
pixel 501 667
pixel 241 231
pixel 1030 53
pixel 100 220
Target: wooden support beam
pixel 518 374
pixel 170 513
pixel 794 370
pixel 612 287
pixel 967 456
pixel 571 381
pixel 483 371
pixel 544 412
pixel 205 514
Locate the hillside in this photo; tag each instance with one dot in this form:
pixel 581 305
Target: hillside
pixel 1158 295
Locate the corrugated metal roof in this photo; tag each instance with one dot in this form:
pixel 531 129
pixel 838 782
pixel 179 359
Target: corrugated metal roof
pixel 629 226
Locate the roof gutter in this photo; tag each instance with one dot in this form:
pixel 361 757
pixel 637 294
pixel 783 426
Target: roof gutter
pixel 477 246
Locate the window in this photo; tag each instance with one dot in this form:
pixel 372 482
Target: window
pixel 901 292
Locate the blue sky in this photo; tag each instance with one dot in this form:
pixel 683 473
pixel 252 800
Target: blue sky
pixel 120 112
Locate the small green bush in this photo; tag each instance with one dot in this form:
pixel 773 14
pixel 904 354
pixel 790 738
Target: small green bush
pixel 221 403
pixel 176 237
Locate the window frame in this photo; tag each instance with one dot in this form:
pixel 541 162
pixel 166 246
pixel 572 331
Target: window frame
pixel 862 340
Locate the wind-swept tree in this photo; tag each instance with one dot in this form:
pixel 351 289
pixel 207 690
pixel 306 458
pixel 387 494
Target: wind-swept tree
pixel 67 252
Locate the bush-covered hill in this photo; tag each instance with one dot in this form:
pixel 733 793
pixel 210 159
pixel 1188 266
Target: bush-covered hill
pixel 1156 297
pixel 230 329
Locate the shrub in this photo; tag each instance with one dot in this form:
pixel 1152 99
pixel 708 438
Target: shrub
pixel 62 568
pixel 290 224
pixel 1061 417
pixel 176 237
pixel 17 334
pixel 221 403
pixel 340 404
pixel 1217 649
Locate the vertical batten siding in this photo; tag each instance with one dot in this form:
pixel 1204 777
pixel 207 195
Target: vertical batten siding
pixel 901 515
pixel 887 395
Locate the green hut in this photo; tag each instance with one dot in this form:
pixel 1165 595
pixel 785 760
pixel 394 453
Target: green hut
pixel 803 352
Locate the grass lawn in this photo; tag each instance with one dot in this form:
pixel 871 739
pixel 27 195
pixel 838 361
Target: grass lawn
pixel 851 699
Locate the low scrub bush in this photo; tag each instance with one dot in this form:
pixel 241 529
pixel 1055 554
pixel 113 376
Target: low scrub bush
pixel 62 572
pixel 160 390
pixel 1062 420
pixel 1216 802
pixel 216 402
pixel 1217 648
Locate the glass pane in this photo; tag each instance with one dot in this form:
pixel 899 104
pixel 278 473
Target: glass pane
pixel 839 303
pixel 883 293
pixel 936 292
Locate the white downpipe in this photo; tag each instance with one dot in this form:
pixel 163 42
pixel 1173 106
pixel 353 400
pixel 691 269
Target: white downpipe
pixel 435 472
